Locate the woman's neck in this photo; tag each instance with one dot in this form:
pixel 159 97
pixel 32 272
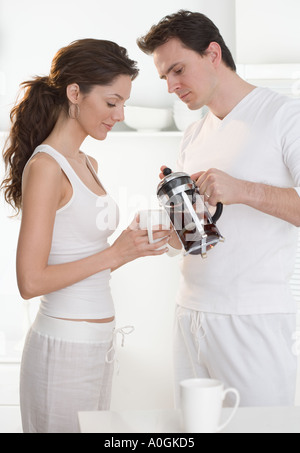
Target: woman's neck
pixel 66 137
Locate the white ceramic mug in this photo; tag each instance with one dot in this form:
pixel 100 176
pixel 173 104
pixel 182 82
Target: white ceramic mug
pixel 201 405
pixel 154 219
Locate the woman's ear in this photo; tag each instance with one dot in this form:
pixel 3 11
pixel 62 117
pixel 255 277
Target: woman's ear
pixel 73 93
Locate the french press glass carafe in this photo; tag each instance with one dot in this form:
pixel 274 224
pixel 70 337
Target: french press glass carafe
pixel 189 214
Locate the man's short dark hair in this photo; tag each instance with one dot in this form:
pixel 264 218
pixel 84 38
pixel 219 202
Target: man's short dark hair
pixel 195 31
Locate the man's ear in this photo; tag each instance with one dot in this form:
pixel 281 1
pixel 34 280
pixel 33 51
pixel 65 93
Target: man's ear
pixel 214 52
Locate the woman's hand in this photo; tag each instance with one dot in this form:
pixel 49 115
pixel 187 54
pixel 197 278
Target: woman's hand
pixel 133 243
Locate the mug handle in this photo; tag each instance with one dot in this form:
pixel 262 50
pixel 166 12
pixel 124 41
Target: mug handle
pixel 237 403
pixel 149 229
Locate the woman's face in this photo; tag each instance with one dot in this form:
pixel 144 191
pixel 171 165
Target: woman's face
pixel 103 107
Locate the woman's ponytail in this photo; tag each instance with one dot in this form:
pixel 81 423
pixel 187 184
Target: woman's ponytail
pixel 33 118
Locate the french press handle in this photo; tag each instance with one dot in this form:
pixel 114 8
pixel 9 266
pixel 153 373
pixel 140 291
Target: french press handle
pixel 218 213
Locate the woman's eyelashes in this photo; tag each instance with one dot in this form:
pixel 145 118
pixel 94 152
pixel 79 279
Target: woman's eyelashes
pixel 110 105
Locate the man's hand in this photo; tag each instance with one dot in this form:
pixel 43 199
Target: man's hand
pixel 162 169
pixel 217 186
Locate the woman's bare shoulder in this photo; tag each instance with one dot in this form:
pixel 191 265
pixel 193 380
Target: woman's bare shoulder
pixel 42 166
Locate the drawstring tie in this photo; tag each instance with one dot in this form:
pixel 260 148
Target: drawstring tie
pixel 197 319
pixel 127 330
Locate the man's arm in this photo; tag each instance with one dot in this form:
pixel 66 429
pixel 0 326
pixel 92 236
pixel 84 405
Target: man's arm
pixel 218 186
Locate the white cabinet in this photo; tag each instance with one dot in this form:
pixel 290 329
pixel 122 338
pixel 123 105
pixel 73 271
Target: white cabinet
pixel 145 290
pixel 10 420
pixel 9 384
pixel 10 417
pixel 129 165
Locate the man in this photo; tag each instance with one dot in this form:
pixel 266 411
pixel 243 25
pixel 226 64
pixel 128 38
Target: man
pixel 235 313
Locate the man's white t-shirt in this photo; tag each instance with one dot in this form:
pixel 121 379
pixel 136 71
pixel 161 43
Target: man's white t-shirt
pixel 258 141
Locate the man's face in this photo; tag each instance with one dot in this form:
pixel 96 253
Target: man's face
pixel 190 76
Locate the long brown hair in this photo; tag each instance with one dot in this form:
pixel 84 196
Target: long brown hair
pixel 87 62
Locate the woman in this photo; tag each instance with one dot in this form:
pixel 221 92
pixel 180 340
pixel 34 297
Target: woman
pixel 63 253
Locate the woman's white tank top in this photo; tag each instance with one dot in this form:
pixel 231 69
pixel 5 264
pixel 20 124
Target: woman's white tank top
pixel 81 229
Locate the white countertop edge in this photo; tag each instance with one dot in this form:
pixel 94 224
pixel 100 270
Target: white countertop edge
pixel 10 360
pixel 247 420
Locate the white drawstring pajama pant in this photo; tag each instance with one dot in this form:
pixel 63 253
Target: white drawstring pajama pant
pixel 66 367
pixel 253 354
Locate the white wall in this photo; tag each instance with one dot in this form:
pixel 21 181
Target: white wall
pixel 256 31
pixel 268 31
pixel 31 32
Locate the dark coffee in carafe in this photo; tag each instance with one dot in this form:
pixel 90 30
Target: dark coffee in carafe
pixel 189 214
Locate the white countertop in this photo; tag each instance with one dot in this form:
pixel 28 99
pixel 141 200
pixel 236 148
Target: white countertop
pixel 247 420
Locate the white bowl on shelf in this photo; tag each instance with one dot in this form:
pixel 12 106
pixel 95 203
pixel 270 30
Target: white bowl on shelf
pixel 147 119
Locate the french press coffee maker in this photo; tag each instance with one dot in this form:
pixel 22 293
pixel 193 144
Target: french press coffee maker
pixel 189 214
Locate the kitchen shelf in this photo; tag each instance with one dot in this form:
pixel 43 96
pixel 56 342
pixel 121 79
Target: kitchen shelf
pixel 160 134
pixel 129 134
